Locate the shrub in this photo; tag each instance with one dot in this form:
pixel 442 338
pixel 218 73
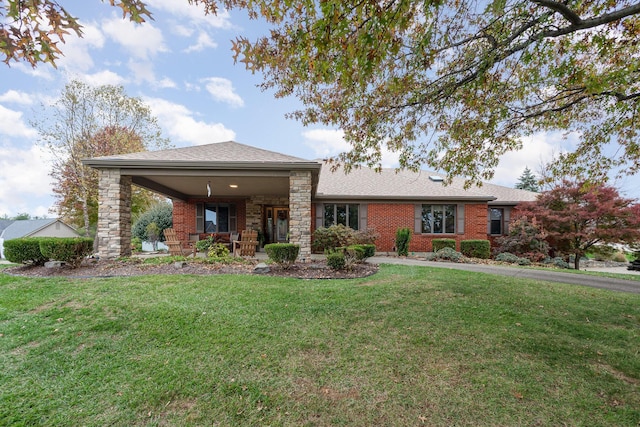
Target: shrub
pixel 205 244
pixel 161 214
pixel 24 251
pixel 619 257
pixel 218 250
pixel 558 262
pixel 476 248
pixel 403 237
pixel 364 237
pixel 512 259
pixel 328 238
pixel 445 254
pixel 71 250
pixel 283 254
pixel 525 240
pixel 443 243
pixel 369 250
pixel 336 260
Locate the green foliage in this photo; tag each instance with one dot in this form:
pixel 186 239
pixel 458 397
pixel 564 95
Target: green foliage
pixel 364 237
pixel 443 243
pixel 203 245
pixel 526 240
pixel 136 245
pixel 161 214
pixel 336 260
pixel 527 181
pixel 512 259
pixel 369 250
pixel 218 250
pixel 445 254
pixel 24 251
pixel 558 262
pixel 71 250
pixel 476 248
pixel 283 254
pixel 403 237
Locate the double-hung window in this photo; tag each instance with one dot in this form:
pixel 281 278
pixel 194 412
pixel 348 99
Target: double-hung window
pixel 439 219
pixel 345 214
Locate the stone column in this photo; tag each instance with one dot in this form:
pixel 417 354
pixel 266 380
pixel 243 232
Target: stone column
pixel 114 214
pixel 300 212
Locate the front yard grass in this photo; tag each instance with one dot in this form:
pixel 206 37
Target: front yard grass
pixel 407 346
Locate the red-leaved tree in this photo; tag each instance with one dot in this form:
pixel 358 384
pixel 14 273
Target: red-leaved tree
pixel 577 215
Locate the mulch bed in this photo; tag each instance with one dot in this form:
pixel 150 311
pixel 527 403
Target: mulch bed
pixel 135 267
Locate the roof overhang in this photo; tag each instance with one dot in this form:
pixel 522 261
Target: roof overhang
pixel 185 180
pixel 400 198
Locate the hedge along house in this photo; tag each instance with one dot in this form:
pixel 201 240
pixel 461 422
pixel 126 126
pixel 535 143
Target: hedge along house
pixel 227 187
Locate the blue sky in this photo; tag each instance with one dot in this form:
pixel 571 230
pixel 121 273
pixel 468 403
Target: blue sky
pixel 181 64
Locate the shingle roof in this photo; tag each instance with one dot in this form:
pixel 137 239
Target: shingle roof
pixel 24 228
pixel 229 151
pixel 388 184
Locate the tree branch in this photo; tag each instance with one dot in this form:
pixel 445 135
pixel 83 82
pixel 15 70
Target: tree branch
pixel 562 9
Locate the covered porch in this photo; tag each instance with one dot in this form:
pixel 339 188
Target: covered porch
pixel 216 189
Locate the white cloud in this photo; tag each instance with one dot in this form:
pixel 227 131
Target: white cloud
pixel 140 40
pixel 105 77
pixel 143 71
pixel 16 97
pixel 330 142
pixel 179 123
pixel 203 42
pixel 12 124
pixel 19 190
pixel 77 51
pixel 222 90
pixel 193 14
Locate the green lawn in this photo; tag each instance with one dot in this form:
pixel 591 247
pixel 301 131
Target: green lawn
pixel 408 346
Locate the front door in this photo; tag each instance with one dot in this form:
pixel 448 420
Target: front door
pixel 277 224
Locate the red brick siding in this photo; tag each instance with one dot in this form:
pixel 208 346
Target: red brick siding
pixel 386 218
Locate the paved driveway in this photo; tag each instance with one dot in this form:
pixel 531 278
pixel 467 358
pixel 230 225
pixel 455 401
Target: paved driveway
pixel 621 285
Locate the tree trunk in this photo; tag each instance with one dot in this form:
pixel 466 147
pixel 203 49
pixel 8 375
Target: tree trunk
pixel 576 261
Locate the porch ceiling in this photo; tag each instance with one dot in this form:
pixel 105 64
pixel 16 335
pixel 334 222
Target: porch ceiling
pixel 184 187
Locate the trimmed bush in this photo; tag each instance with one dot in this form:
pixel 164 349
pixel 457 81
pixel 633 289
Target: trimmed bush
pixel 336 260
pixel 283 254
pixel 369 250
pixel 476 248
pixel 443 243
pixel 446 254
pixel 71 250
pixel 24 251
pixel 558 262
pixel 403 237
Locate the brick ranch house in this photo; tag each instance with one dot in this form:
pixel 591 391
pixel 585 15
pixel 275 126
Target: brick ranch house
pixel 228 187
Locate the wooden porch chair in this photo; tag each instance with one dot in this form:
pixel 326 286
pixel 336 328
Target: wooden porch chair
pixel 247 244
pixel 171 240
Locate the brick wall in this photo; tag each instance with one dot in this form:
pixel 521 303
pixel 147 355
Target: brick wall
pixel 386 218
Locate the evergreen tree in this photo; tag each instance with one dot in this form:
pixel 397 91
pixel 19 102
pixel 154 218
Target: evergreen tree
pixel 527 181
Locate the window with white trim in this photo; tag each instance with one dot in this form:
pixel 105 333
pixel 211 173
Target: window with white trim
pixel 439 219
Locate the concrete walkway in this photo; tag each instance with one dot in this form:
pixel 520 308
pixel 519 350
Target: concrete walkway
pixel 621 285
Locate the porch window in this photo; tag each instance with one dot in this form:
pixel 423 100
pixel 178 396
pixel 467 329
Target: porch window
pixel 438 219
pixel 217 218
pixel 496 221
pixel 335 214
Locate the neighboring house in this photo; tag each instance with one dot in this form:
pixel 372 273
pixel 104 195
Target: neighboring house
pixel 228 187
pixel 14 229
